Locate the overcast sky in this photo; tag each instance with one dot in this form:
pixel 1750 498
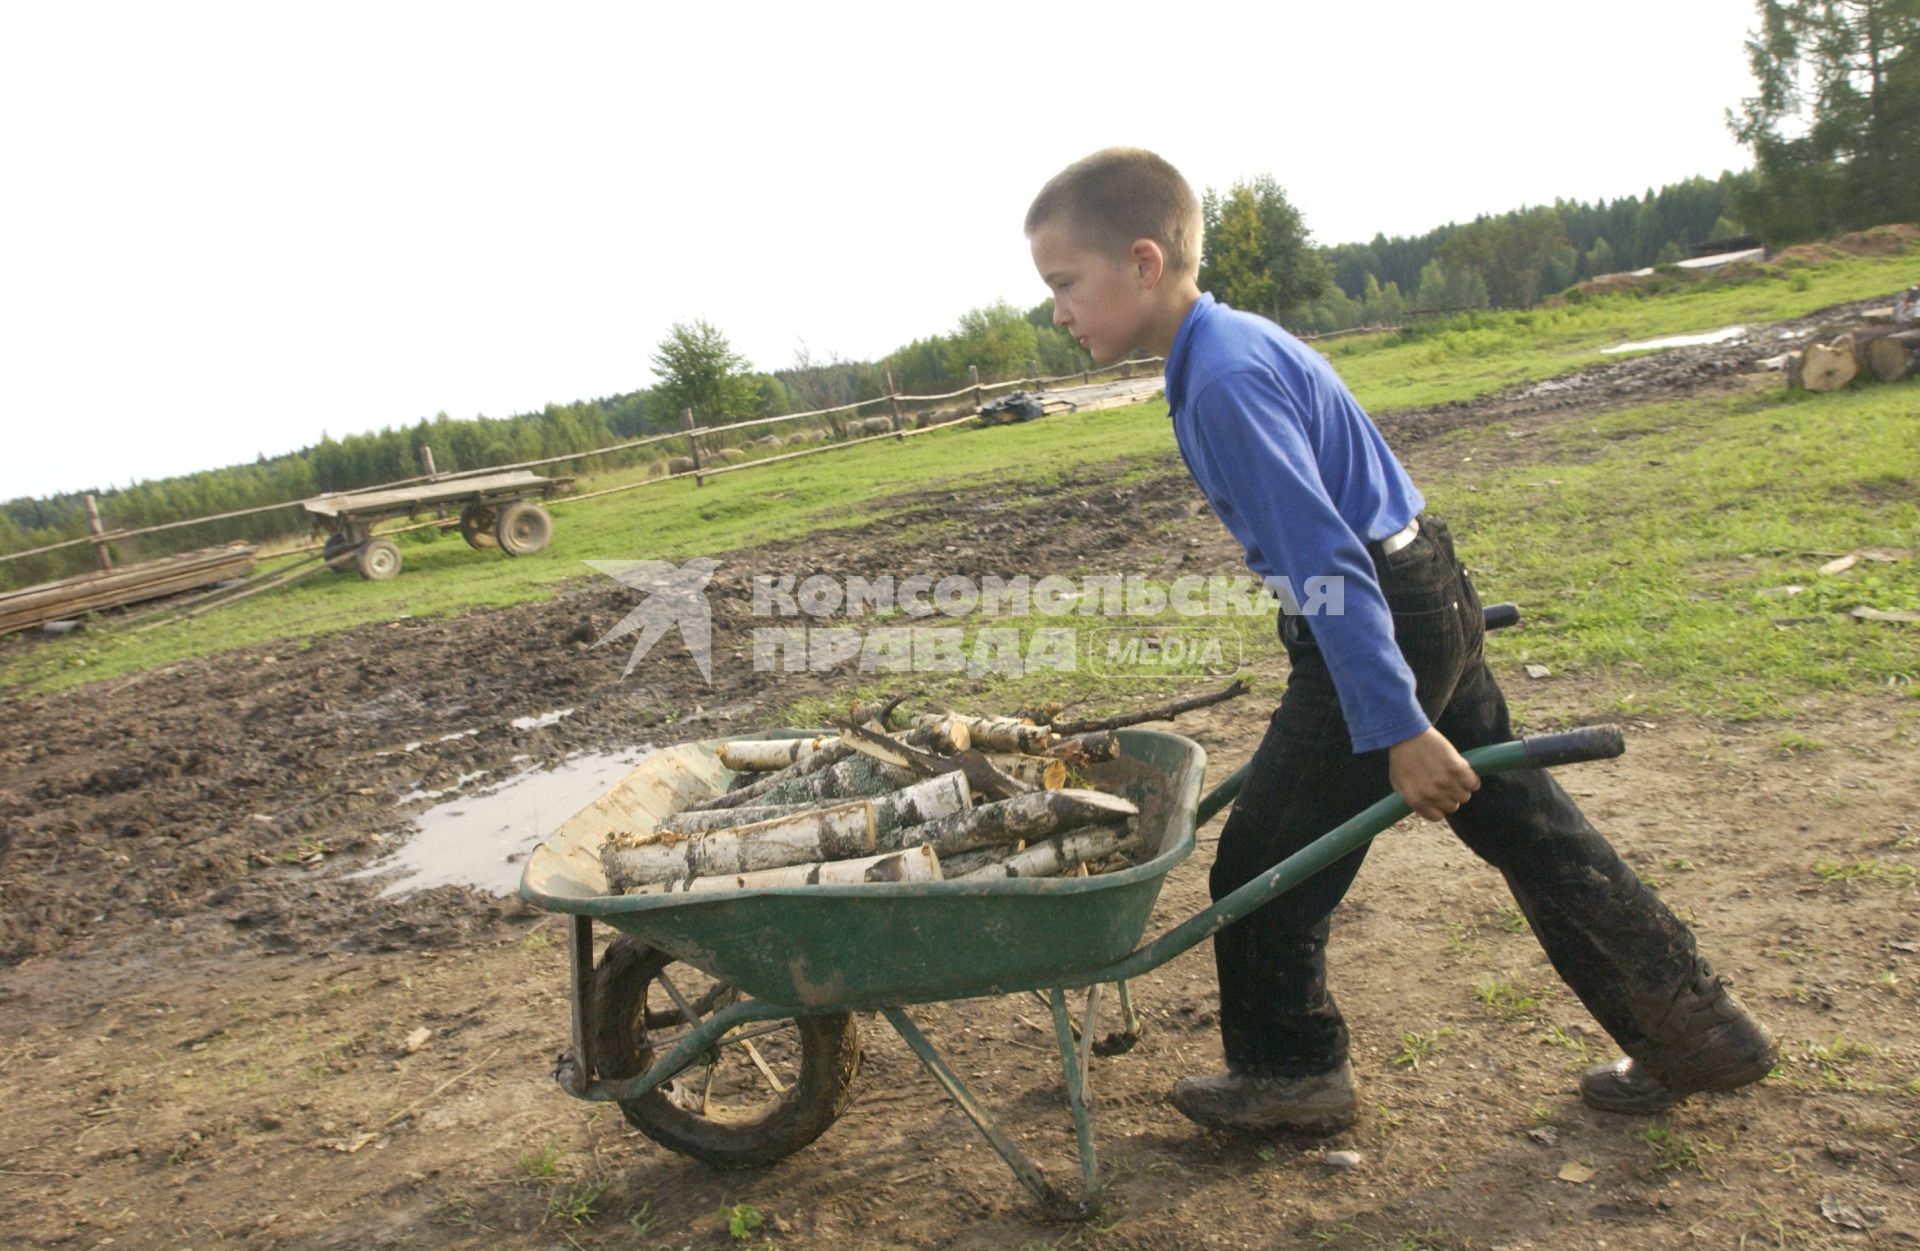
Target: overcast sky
pixel 229 228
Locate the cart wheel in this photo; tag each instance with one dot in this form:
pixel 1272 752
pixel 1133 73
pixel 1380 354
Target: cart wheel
pixel 476 526
pixel 523 528
pixel 336 550
pixel 766 1091
pixel 378 560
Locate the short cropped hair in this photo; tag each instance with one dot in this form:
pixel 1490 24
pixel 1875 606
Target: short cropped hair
pixel 1118 195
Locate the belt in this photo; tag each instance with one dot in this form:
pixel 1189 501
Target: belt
pixel 1394 542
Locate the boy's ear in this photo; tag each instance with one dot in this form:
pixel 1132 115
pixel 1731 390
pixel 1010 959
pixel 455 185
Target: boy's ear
pixel 1149 261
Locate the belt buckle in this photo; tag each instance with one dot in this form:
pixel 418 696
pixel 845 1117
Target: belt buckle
pixel 1394 542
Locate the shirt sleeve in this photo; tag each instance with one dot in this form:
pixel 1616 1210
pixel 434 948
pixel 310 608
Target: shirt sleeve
pixel 1252 444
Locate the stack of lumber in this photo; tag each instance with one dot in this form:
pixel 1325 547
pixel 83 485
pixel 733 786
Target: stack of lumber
pixel 70 597
pixel 1887 354
pixel 946 797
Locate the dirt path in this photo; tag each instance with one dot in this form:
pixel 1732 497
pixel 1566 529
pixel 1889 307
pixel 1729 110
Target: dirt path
pixel 205 1018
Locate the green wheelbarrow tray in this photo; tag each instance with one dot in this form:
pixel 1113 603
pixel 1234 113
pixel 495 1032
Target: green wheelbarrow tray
pixel 803 950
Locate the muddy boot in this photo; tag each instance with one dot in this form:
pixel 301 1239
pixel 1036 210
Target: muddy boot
pixel 1320 1104
pixel 1704 1041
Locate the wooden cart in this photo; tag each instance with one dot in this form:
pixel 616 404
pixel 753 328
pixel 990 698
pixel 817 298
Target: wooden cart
pixel 496 510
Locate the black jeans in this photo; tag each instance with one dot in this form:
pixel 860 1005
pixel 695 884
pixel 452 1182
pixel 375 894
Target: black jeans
pixel 1612 940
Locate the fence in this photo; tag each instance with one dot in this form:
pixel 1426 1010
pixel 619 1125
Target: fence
pixel 99 536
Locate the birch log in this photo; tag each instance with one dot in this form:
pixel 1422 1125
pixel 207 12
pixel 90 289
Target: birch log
pixel 917 864
pixel 828 834
pixel 1046 772
pixel 1895 356
pixel 853 778
pixel 1086 749
pixel 1031 816
pixel 994 733
pixel 761 755
pixel 1061 854
pixel 825 758
pixel 1828 366
pixel 962 863
pixel 706 820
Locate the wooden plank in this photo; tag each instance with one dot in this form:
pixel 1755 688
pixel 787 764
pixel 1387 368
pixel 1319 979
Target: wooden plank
pixel 427 495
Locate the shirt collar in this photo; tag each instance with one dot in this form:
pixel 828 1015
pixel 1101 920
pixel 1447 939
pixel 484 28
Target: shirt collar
pixel 1177 355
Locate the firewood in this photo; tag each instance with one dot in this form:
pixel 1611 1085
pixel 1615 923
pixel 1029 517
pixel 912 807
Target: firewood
pixel 700 821
pixel 962 863
pixel 1828 367
pixel 1029 817
pixel 1086 749
pixel 997 733
pixel 853 778
pixel 1895 356
pixel 760 755
pixel 803 838
pixel 1164 712
pixel 986 780
pixel 1061 854
pixel 1046 772
pixel 916 864
pixel 825 758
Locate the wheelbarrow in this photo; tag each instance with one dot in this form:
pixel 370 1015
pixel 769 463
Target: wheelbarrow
pixel 723 1026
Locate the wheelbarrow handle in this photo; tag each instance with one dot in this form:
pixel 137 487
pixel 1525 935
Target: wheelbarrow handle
pixel 1540 751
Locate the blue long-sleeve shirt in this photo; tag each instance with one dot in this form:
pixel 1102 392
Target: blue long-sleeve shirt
pixel 1302 478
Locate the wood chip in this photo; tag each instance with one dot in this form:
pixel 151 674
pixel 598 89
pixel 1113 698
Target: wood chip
pixel 1575 1172
pixel 1841 565
pixel 416 1040
pixel 1863 613
pixel 1539 671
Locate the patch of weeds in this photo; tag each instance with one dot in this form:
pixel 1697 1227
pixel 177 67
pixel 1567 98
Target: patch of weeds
pixel 1680 864
pixel 1871 869
pixel 1540 1116
pixel 1672 1149
pixel 1389 1119
pixel 1560 1038
pixel 1266 1153
pixel 1888 981
pixel 1327 1237
pixel 1509 918
pixel 542 1164
pixel 458 1213
pixel 1416 1047
pixel 1790 955
pixel 743 1220
pixel 1794 744
pixel 642 1219
pixel 1506 1000
pixel 537 942
pixel 1461 944
pixel 1833 1060
pixel 574 1204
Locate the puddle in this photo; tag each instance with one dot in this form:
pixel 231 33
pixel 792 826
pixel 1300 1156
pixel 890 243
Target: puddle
pixel 1726 334
pixel 544 719
pixel 481 840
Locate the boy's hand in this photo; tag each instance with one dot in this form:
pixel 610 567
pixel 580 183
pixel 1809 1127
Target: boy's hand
pixel 1430 775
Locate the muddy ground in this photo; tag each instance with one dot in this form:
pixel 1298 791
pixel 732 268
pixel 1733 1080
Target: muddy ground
pixel 204 1017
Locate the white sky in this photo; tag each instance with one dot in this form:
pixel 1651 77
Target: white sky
pixel 227 228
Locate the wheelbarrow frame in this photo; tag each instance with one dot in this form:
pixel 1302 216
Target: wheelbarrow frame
pixel 815 995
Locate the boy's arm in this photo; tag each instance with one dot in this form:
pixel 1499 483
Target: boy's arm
pixel 1268 473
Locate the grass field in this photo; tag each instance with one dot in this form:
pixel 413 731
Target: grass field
pixel 1648 541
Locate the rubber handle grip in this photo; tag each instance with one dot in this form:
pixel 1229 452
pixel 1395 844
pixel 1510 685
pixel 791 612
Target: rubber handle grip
pixel 1593 742
pixel 1501 615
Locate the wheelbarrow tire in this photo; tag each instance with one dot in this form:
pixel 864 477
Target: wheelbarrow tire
pixel 830 1058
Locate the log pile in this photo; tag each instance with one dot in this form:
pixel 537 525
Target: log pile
pixel 130 584
pixel 1884 353
pixel 948 797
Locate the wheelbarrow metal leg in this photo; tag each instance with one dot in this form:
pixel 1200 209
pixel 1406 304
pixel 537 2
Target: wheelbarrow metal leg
pixel 1087 1024
pixel 1023 1168
pixel 1129 1020
pixel 1076 1094
pixel 576 1065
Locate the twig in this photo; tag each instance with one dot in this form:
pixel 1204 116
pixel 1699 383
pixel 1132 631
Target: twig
pixel 1165 712
pixel 413 1107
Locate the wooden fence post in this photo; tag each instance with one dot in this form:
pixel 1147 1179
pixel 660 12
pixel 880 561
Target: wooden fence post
pixel 1086 375
pixel 973 371
pixel 1033 368
pixel 426 461
pixel 101 556
pixel 893 398
pixel 693 446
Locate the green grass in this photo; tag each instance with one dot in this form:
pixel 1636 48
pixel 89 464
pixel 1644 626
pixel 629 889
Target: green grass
pixel 1653 546
pixel 1470 356
pixel 1645 557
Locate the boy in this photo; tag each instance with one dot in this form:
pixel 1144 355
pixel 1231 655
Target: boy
pixel 1380 694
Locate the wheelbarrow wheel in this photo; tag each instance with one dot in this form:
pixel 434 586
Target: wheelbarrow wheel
pixel 763 1093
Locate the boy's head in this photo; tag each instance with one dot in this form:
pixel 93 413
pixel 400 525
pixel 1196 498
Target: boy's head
pixel 1116 238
